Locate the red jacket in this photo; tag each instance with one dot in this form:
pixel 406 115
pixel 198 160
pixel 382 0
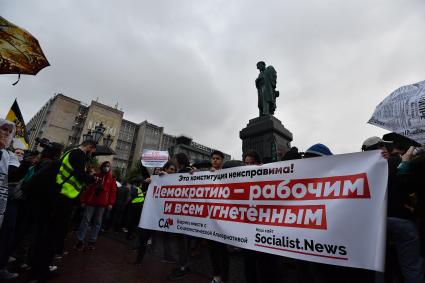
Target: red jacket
pixel 101 196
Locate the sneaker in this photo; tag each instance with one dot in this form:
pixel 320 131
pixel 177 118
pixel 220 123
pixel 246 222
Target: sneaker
pixel 5 274
pixel 79 246
pixel 11 259
pixel 53 268
pixel 65 253
pixel 125 230
pixel 178 273
pixel 58 257
pixel 25 266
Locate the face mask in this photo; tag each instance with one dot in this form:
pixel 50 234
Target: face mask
pixel 106 169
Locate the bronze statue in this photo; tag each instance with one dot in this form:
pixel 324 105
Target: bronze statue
pixel 266 86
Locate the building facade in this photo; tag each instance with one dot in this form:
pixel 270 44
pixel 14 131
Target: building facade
pixel 65 120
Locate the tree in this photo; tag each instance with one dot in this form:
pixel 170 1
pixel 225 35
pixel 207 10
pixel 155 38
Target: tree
pixel 94 163
pixel 133 173
pixel 117 173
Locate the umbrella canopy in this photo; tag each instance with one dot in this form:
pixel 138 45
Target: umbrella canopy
pixel 403 112
pixel 103 151
pixel 20 52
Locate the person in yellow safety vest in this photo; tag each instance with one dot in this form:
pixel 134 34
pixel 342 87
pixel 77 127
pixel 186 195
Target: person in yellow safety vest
pixel 70 180
pixel 72 176
pixel 136 207
pixel 140 197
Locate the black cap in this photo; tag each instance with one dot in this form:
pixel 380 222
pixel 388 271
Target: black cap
pixel 400 141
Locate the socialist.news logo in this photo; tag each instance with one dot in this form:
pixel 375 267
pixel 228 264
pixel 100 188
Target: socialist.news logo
pixel 165 223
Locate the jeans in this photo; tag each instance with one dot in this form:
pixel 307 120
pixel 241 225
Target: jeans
pixel 407 243
pixel 90 212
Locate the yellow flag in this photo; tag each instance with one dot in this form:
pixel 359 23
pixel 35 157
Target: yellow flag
pixel 21 136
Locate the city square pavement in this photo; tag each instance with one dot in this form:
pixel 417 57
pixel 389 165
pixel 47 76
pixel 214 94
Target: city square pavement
pixel 113 261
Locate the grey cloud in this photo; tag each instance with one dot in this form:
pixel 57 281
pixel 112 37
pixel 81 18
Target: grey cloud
pixel 190 66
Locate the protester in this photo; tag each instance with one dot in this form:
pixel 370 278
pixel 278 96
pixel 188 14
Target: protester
pixel 7 160
pixel 69 179
pixel 218 251
pixel 98 197
pixel 183 166
pixel 292 154
pixel 8 239
pixel 136 206
pixel 19 154
pixel 145 234
pixel 250 257
pixel 34 206
pixel 118 211
pixel 167 255
pixel 317 150
pixel 400 221
pixel 309 271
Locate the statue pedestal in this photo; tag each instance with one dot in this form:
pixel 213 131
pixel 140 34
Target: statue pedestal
pixel 267 136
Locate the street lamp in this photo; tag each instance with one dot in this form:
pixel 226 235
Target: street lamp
pixel 88 136
pixel 97 134
pixel 107 141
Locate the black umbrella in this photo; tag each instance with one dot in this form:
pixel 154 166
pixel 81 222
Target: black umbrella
pixel 102 150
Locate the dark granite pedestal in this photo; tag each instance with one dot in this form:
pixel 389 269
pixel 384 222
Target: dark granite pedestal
pixel 267 136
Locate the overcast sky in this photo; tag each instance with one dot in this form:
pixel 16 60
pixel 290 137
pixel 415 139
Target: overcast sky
pixel 190 66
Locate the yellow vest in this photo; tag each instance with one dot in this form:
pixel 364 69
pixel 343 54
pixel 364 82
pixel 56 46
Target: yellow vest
pixel 69 186
pixel 140 196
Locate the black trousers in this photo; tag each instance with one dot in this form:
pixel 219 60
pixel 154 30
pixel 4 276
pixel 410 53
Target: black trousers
pixel 262 267
pixel 135 212
pixel 219 259
pixel 145 234
pixel 54 221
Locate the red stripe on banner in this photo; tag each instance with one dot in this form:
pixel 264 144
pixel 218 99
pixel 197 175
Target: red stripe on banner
pixel 337 187
pixel 303 253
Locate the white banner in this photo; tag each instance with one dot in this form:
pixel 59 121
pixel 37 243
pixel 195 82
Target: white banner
pixel 326 209
pixel 154 158
pixel 403 112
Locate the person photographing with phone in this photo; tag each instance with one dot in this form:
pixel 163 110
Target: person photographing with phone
pixel 98 197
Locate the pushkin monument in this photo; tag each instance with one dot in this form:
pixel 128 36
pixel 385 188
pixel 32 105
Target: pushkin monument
pixel 266 134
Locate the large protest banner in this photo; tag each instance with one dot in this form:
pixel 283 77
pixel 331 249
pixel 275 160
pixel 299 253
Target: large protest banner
pixel 326 209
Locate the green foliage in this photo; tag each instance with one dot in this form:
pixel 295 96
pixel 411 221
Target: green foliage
pixel 133 173
pixel 94 163
pixel 117 173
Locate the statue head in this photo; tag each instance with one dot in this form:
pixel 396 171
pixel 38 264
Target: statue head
pixel 261 66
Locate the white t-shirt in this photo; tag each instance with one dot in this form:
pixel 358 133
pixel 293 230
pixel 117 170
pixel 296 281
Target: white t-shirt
pixel 7 159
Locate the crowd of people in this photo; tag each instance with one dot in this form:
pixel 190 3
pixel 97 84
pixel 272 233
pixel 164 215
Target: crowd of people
pixel 45 195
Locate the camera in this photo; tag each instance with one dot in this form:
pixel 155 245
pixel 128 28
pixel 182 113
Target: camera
pixel 44 143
